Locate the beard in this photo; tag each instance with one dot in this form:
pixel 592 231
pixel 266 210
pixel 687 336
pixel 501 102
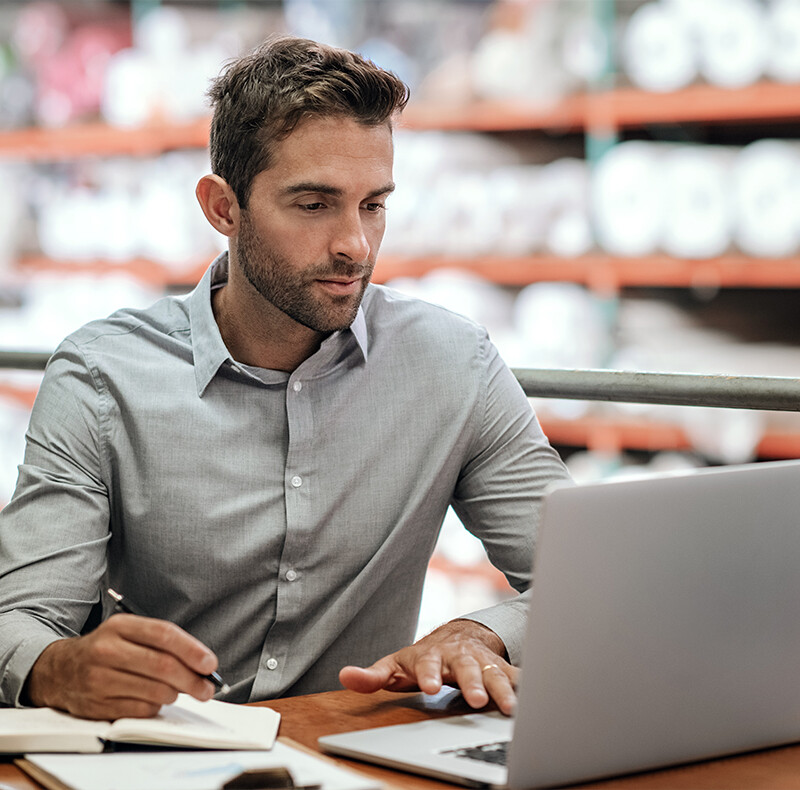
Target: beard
pixel 295 291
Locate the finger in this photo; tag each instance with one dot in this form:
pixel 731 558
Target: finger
pixel 499 684
pixel 166 637
pixel 466 672
pixel 385 673
pixel 152 669
pixel 110 694
pixel 113 645
pixel 114 709
pixel 427 668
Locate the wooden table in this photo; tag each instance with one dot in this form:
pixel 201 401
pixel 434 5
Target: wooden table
pixel 304 719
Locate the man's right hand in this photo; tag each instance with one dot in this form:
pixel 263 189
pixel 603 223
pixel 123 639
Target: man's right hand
pixel 127 666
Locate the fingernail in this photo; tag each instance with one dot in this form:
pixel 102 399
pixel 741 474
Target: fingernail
pixel 208 662
pixel 208 691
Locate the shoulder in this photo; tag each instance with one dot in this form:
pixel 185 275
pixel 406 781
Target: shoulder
pixel 132 330
pixel 427 347
pixel 391 314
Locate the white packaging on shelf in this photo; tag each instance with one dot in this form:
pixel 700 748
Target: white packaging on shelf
pixel 584 48
pixel 445 203
pixel 520 60
pixel 658 52
pixel 627 199
pixel 733 42
pixel 130 90
pixel 56 304
pixel 115 232
pixel 728 436
pixel 61 218
pixel 783 31
pixel 517 193
pixel 470 222
pixel 698 210
pixel 565 186
pixel 501 66
pixel 13 422
pixel 187 78
pixel 465 293
pixel 12 211
pixel 561 325
pixel 766 190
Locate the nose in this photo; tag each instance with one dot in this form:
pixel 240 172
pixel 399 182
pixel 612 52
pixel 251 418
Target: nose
pixel 350 241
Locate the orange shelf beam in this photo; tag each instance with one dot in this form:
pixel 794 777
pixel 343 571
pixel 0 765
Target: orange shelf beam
pixel 605 434
pixel 20 395
pixel 608 434
pixel 144 270
pixel 99 139
pixel 620 108
pixel 599 271
pixel 763 101
pixel 623 107
pixel 605 272
pixel 483 571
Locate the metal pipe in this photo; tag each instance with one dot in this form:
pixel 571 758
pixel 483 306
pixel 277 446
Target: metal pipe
pixel 678 389
pixel 24 360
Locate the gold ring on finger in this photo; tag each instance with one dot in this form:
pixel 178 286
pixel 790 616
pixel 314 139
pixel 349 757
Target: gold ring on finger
pixel 489 666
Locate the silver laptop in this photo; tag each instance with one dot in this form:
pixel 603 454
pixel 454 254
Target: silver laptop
pixel 664 628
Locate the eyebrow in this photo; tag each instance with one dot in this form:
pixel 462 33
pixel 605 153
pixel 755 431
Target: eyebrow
pixel 327 189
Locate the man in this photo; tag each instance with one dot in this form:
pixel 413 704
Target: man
pixel 264 465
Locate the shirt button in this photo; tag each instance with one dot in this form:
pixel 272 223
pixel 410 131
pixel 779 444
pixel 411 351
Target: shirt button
pixel 297 481
pixel 297 386
pixel 291 575
pixel 272 663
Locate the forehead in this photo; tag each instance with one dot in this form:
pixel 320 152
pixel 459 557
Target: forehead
pixel 336 150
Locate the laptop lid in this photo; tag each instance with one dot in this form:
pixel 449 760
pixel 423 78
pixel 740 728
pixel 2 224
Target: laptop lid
pixel 663 629
pixel 665 625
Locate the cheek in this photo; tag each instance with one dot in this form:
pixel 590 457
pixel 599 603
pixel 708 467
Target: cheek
pixel 281 240
pixel 375 230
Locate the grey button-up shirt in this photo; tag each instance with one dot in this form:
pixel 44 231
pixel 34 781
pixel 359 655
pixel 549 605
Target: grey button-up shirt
pixel 285 520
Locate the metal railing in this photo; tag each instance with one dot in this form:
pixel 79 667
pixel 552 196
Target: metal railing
pixel 677 389
pixel 771 393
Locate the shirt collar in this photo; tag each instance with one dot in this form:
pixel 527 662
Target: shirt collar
pixel 208 348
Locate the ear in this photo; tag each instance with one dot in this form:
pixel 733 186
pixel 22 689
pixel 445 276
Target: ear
pixel 219 204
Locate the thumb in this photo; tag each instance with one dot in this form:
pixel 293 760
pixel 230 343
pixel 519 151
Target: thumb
pixel 383 674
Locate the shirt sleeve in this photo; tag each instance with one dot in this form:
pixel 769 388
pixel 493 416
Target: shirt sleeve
pixel 500 490
pixel 54 531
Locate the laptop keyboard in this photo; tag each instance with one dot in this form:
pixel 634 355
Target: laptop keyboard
pixel 496 753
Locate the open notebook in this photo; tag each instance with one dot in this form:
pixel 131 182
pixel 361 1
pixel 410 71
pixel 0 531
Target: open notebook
pixel 664 628
pixel 185 723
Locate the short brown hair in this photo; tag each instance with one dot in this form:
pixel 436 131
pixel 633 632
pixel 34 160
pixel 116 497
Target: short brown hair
pixel 260 98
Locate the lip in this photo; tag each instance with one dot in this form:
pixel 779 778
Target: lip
pixel 340 287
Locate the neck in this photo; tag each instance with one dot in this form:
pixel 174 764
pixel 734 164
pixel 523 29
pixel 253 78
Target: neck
pixel 260 335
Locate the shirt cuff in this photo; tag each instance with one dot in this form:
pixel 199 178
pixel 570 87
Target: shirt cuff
pixel 508 620
pixel 17 665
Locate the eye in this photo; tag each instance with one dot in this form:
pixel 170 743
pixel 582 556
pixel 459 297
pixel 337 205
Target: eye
pixel 311 206
pixel 375 207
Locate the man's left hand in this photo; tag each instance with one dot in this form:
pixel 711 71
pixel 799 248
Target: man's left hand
pixel 462 653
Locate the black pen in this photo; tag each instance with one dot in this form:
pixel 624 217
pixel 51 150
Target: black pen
pixel 126 605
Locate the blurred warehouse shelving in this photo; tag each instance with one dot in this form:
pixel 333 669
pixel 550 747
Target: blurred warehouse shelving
pixel 586 112
pixel 553 117
pixel 600 271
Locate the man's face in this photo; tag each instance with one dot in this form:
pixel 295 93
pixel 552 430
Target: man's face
pixel 309 238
